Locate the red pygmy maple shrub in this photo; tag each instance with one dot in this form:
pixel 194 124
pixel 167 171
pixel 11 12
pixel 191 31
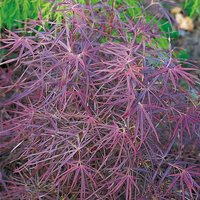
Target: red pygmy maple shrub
pixel 92 109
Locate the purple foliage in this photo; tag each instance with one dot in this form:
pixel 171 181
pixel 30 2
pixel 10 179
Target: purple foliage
pixel 91 109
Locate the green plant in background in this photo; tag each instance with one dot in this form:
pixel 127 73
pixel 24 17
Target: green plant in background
pixel 12 12
pixel 192 7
